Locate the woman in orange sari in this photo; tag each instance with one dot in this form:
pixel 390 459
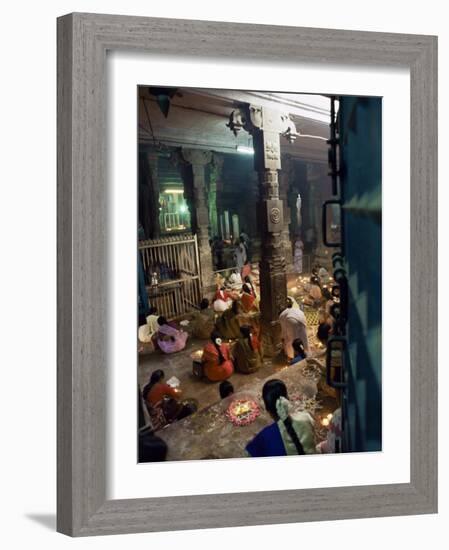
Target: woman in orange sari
pixel 217 361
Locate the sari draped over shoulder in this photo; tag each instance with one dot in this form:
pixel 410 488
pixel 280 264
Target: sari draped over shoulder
pixel 203 324
pixel 248 302
pixel 247 358
pixel 170 339
pixel 303 425
pixel 274 440
pixel 229 325
pixel 215 370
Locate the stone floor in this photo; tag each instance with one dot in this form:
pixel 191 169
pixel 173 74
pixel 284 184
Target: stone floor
pixel 210 434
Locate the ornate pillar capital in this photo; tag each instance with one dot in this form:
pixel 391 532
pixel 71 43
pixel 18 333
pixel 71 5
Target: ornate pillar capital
pixel 197 157
pixel 217 161
pixel 251 118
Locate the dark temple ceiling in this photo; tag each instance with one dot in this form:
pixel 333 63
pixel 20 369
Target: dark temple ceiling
pixel 197 118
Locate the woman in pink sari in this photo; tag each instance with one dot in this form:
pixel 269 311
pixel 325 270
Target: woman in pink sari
pixel 169 338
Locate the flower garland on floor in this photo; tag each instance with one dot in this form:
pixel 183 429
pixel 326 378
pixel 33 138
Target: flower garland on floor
pixel 242 412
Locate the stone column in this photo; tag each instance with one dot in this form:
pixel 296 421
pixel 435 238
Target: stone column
pixel 319 183
pixel 149 194
pixel 273 280
pixel 266 125
pixel 154 175
pixel 198 160
pixel 285 183
pixel 227 224
pixel 253 226
pixel 215 176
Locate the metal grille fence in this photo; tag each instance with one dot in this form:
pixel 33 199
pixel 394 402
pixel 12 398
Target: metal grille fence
pixel 172 274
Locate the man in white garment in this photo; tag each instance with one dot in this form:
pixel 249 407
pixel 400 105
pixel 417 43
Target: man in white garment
pixel 293 325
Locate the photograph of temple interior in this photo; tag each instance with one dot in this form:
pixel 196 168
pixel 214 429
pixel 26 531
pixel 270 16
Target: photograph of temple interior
pixel 259 274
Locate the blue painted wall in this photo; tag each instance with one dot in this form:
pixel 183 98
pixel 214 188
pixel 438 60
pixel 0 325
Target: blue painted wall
pixel 360 124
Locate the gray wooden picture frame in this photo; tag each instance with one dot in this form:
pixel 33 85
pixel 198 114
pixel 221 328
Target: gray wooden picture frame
pixel 83 40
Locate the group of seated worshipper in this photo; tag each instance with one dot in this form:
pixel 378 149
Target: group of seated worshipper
pixel 233 289
pixel 164 402
pixel 289 434
pixel 219 362
pixel 234 323
pixel 162 334
pixel 316 292
pixel 241 308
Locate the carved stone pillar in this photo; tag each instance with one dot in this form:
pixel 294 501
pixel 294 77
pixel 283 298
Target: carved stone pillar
pixel 154 175
pixel 215 176
pixel 266 125
pixel 319 185
pixel 251 222
pixel 149 194
pixel 285 182
pixel 198 160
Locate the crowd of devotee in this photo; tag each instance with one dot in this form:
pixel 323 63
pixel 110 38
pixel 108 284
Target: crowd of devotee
pixel 229 330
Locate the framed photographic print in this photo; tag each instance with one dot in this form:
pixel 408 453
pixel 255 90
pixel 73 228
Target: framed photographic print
pixel 247 283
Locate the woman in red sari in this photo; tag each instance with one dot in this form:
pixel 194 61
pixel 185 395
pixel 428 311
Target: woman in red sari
pixel 217 361
pixel 248 299
pixel 222 300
